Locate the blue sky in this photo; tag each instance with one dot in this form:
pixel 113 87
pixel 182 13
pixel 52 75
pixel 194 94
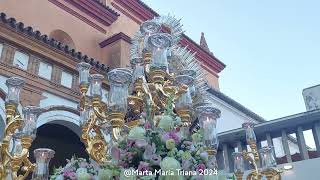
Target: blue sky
pixel 271 48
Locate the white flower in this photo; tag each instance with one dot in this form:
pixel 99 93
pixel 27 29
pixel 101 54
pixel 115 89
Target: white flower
pixel 169 163
pixel 105 174
pixel 81 170
pixel 166 123
pixel 59 177
pixel 137 133
pixel 83 176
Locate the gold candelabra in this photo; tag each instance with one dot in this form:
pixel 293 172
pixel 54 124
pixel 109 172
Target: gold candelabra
pixel 19 134
pixel 266 157
pixel 148 88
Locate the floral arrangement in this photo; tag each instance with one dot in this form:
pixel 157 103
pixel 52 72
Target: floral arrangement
pixel 76 168
pixel 149 147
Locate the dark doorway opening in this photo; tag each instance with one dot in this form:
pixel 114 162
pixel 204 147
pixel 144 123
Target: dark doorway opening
pixel 62 140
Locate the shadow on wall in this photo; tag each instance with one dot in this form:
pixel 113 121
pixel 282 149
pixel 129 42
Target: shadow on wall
pixel 62 140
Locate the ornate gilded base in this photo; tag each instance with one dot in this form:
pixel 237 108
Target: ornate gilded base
pixel 26 141
pixel 147 57
pixel 157 76
pixel 239 175
pixel 211 152
pixel 132 124
pixel 136 103
pixel 117 119
pixel 185 117
pixel 84 88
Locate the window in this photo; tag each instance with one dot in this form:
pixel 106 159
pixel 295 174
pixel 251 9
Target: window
pixel 1 48
pixel 66 79
pixel 45 70
pixel 21 60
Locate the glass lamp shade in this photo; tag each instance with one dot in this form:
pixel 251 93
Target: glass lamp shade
pixel 207 116
pixel 43 157
pixel 250 135
pixel 14 85
pixel 210 137
pixel 83 69
pixel 148 28
pixel 192 73
pixel 267 159
pixel 159 44
pixel 119 80
pixel 185 100
pixel 238 162
pixel 96 82
pixel 138 71
pixel 30 120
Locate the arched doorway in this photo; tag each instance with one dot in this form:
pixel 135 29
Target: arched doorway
pixel 64 141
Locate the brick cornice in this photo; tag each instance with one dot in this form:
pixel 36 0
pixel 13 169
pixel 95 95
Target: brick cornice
pixel 137 8
pixel 104 15
pixel 79 16
pixel 205 57
pixel 114 38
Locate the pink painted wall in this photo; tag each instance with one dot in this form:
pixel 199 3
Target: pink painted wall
pixel 46 17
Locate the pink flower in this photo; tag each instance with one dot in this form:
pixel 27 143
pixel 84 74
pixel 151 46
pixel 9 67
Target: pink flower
pixel 143 166
pixel 171 135
pixel 130 143
pixel 147 125
pixel 70 174
pixel 83 164
pixel 201 167
pixel 188 143
pixel 174 136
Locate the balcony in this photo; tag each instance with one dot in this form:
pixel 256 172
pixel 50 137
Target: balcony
pixel 279 133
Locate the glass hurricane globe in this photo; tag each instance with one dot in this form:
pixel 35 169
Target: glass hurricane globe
pixel 14 85
pixel 159 43
pixel 119 81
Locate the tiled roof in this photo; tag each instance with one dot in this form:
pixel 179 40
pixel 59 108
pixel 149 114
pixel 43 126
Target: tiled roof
pixel 37 36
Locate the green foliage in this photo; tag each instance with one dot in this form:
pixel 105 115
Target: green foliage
pixel 169 107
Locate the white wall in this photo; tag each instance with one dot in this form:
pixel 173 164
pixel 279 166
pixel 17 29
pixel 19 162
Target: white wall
pixel 231 118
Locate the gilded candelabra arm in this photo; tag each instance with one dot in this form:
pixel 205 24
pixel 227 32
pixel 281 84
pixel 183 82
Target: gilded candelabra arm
pixel 253 176
pixel 83 98
pixel 95 143
pixel 255 172
pixel 100 112
pixel 254 151
pixel 272 174
pixel 182 89
pixel 28 167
